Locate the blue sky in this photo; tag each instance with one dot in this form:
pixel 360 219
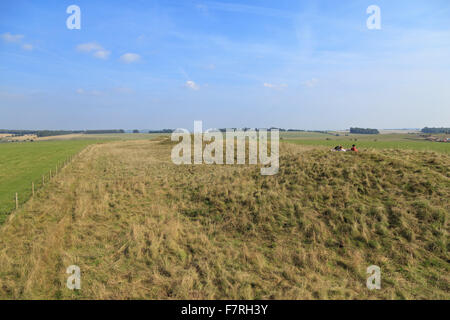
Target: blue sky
pixel 164 64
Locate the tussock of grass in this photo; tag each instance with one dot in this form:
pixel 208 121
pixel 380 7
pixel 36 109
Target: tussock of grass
pixel 141 227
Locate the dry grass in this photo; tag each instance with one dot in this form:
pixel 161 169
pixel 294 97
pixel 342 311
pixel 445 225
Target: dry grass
pixel 64 137
pixel 141 227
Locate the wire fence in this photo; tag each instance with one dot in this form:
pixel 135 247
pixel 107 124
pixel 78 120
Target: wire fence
pixel 35 186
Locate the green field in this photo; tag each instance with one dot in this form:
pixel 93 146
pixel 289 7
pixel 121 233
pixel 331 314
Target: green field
pixel 364 142
pixel 24 163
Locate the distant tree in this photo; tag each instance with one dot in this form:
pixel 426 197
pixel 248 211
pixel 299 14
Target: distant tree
pixel 135 131
pixel 161 131
pixel 436 130
pixel 39 133
pixel 104 131
pixel 364 131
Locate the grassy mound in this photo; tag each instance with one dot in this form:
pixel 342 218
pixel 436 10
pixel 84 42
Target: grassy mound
pixel 140 227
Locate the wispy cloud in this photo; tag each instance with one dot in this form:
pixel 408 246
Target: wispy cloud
pixel 88 47
pixel 248 9
pixel 123 90
pixel 109 92
pixel 17 39
pixel 8 37
pixel 130 58
pixel 92 47
pixel 102 54
pixel 311 83
pixel 192 85
pixel 88 92
pixel 27 47
pixel 202 8
pixel 275 86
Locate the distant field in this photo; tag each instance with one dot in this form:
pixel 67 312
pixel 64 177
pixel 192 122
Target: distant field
pixel 106 136
pixel 380 141
pixel 22 163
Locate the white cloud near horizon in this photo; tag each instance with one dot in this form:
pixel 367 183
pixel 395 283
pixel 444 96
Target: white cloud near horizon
pixel 81 91
pixel 275 86
pixel 110 91
pixel 123 90
pixel 130 58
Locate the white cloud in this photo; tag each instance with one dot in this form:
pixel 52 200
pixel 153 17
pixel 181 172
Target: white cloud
pixel 275 86
pixel 95 93
pixel 123 90
pixel 102 54
pixel 110 91
pixel 88 47
pixel 16 38
pixel 89 93
pixel 311 83
pixel 130 58
pixel 202 8
pixel 97 50
pixel 192 85
pixel 8 37
pixel 27 47
pixel 249 9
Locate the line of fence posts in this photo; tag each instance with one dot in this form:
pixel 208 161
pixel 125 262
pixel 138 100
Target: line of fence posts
pixel 64 164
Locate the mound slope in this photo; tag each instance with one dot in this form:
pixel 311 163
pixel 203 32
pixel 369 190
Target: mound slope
pixel 140 227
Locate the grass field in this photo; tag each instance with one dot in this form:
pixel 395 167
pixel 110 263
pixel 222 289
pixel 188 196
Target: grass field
pixel 105 136
pixel 24 163
pixel 364 142
pixel 141 227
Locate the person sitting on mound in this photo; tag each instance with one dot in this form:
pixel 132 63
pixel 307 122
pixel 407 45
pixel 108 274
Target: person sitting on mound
pixel 354 148
pixel 339 148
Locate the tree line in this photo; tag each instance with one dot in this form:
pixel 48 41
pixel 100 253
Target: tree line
pixel 436 130
pixel 47 133
pixel 364 131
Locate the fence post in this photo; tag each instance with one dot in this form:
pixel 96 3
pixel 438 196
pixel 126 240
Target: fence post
pixel 32 188
pixel 17 201
pixel 43 180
